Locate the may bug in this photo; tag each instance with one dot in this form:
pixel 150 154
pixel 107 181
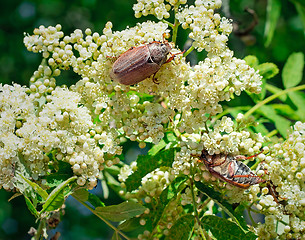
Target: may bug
pixel 229 169
pixel 138 63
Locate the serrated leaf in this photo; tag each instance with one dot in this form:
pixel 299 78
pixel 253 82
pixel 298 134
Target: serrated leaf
pixel 267 70
pixel 56 202
pixel 182 228
pixel 281 123
pixel 56 197
pixel 293 70
pixel 81 194
pixel 31 207
pixel 95 201
pixel 218 199
pixel 130 224
pixel 252 61
pixel 273 13
pixel 120 212
pixel 148 163
pixel 44 195
pixel 224 229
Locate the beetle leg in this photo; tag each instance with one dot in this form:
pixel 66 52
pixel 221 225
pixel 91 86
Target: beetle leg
pixel 238 157
pixel 155 80
pixel 173 56
pixel 111 58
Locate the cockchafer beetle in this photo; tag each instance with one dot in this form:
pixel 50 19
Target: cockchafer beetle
pixel 139 63
pixel 229 169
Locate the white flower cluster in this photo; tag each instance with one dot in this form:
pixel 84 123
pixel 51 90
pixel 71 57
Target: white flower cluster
pixel 286 169
pixel 16 108
pixel 93 116
pixel 61 126
pixel 159 8
pixel 208 30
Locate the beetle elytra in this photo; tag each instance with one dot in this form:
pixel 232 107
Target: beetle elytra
pixel 229 169
pixel 138 63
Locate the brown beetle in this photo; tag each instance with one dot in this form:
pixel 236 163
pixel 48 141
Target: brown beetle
pixel 229 169
pixel 138 63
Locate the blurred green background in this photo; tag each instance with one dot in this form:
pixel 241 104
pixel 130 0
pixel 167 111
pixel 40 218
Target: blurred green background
pixel 17 65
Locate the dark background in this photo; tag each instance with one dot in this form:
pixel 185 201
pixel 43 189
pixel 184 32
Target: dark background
pixel 17 65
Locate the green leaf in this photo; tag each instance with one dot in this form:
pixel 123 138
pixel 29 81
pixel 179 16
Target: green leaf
pixel 31 207
pixel 116 236
pixel 166 196
pixel 105 188
pixel 83 195
pixel 148 163
pixel 130 225
pixel 120 212
pixel 182 228
pixel 281 123
pixel 298 99
pixel 293 70
pixel 157 148
pixel 262 94
pixel 168 139
pixel 286 111
pixel 252 61
pixel 56 197
pixel 267 70
pixel 224 229
pixel 275 90
pixel 273 13
pixel 15 196
pixel 36 188
pixel 172 190
pixel 112 182
pixel 220 201
pixel 143 96
pixel 260 128
pixel 64 172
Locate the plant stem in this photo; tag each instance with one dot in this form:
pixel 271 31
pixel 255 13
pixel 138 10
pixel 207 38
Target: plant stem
pixel 187 52
pixel 168 23
pixel 108 223
pixel 41 226
pixel 228 110
pixel 272 133
pixel 175 26
pixel 271 98
pixel 195 210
